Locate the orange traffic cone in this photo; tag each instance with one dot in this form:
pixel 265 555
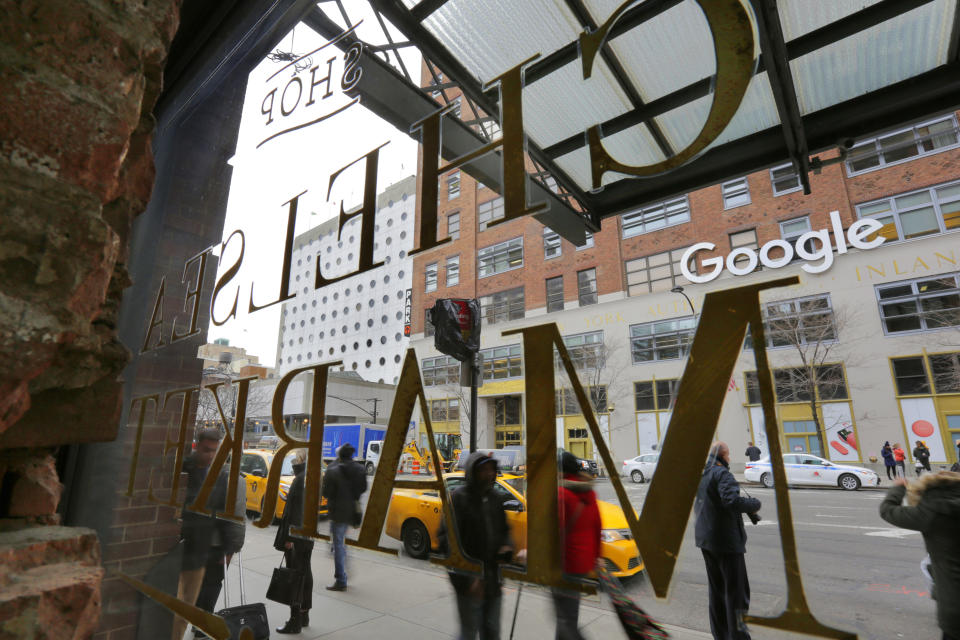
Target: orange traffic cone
pixel 416 467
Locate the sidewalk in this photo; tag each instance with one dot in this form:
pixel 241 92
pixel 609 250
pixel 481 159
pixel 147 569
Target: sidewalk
pixel 405 599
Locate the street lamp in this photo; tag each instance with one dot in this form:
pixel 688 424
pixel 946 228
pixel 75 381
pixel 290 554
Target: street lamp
pixel 679 289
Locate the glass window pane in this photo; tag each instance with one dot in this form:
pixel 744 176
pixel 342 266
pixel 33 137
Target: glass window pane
pixel 919 222
pixel 911 376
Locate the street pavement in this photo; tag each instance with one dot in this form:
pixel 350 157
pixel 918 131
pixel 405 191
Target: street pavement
pixel 860 574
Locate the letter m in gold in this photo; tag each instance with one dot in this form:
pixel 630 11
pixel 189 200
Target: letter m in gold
pixel 659 530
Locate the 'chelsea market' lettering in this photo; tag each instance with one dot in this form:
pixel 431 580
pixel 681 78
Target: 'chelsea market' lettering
pixel 819 249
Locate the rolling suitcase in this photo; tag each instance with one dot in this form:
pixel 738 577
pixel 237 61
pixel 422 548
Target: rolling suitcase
pixel 252 616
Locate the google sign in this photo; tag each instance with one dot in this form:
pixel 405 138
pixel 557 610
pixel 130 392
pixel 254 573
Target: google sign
pixel 811 246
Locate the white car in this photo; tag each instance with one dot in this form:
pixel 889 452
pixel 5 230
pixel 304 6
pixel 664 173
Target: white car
pixel 803 468
pixel 641 468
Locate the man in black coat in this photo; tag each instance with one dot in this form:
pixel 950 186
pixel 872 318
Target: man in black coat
pixel 343 484
pixel 296 550
pixel 209 541
pixel 752 452
pixel 484 536
pixel 722 540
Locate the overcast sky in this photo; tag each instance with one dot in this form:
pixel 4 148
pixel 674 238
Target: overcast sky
pixel 266 177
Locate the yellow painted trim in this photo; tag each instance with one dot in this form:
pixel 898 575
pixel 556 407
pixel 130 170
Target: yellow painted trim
pixel 501 387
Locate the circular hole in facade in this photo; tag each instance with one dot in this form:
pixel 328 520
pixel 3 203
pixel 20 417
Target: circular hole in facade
pixel 370 322
pixel 386 299
pixel 383 339
pixel 343 348
pixel 383 361
pixel 356 345
pixel 397 337
pixel 367 364
pixel 396 359
pixel 369 342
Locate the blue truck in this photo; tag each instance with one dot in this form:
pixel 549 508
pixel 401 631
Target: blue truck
pixel 359 435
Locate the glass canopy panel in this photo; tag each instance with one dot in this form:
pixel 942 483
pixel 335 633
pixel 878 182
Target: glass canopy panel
pixel 492 36
pixel 895 50
pixel 563 104
pixel 796 18
pixel 678 39
pixel 633 146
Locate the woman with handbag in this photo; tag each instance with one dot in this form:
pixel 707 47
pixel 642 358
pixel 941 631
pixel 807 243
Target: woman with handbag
pixel 296 550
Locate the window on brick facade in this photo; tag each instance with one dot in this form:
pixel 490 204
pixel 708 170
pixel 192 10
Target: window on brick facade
pixel 587 287
pixel 656 216
pixel 916 214
pixel 430 277
pixel 453 271
pixel 502 306
pixel 500 257
pixel 489 211
pixel 905 144
pixel 657 272
pixel 453 225
pixel 551 244
pixel 453 185
pixel 736 193
pixel 785 179
pixel 791 230
pixel 744 240
pixel 588 241
pixel 555 294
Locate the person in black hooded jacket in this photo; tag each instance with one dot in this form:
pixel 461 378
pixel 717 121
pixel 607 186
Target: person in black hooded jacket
pixel 934 511
pixel 722 540
pixel 484 536
pixel 296 550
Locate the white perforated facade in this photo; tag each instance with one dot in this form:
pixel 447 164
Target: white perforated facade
pixel 360 319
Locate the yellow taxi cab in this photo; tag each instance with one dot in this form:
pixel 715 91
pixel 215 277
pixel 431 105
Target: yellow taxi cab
pixel 415 515
pixel 255 465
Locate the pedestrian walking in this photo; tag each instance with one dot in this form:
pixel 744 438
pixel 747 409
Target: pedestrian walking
pixel 933 508
pixel 580 524
pixel 481 523
pixel 296 550
pixel 343 484
pixel 752 452
pixel 899 455
pixel 720 534
pixel 888 461
pixel 922 455
pixel 209 541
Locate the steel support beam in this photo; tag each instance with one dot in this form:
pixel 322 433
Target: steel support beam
pixel 436 53
pixel 774 53
pixel 384 91
pixel 908 101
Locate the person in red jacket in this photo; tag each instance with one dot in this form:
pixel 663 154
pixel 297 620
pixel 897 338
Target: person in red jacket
pixel 899 455
pixel 580 532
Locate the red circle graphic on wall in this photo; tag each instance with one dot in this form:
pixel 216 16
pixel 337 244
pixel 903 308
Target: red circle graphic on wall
pixel 922 428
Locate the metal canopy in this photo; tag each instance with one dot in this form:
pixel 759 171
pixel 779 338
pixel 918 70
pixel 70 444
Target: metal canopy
pixel 827 73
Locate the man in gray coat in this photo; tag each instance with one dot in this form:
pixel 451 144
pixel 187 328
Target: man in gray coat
pixel 722 540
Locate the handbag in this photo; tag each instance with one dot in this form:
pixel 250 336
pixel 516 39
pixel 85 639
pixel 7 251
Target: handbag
pixel 285 585
pixel 634 620
pixel 245 616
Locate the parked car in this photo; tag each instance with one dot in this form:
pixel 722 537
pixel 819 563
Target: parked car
pixel 806 469
pixel 254 467
pixel 415 515
pixel 641 468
